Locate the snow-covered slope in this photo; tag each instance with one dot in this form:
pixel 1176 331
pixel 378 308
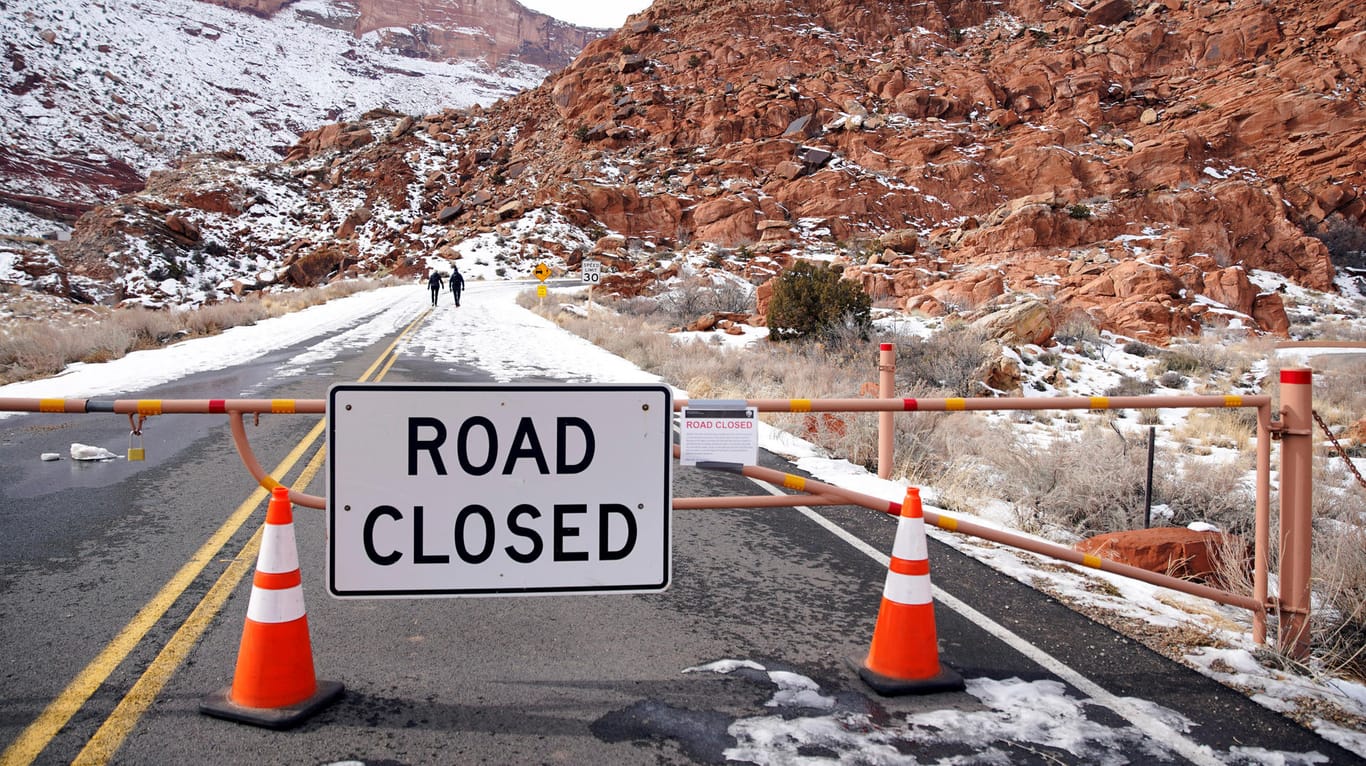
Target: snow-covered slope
pixel 94 95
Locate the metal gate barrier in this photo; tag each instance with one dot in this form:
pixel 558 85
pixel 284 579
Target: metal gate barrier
pixel 1294 429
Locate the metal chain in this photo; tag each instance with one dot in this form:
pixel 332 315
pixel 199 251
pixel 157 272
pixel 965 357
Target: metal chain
pixel 1341 451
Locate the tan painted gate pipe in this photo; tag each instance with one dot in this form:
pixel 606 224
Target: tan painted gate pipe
pixel 1295 428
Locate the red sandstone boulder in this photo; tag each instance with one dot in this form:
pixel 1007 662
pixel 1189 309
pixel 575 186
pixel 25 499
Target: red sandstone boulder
pixel 1175 551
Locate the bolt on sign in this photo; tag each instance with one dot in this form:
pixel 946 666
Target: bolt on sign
pixel 482 490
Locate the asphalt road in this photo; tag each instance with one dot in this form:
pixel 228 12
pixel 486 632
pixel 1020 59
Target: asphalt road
pixel 101 662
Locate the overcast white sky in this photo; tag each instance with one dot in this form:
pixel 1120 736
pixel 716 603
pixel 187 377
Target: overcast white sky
pixel 605 14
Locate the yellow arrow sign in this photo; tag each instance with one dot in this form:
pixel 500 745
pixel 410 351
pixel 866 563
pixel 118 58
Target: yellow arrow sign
pixel 541 271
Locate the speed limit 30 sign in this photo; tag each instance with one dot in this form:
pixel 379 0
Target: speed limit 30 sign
pixel 591 271
pixel 472 490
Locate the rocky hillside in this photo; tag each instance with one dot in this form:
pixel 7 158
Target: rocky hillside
pixel 497 32
pixel 95 95
pixel 1159 167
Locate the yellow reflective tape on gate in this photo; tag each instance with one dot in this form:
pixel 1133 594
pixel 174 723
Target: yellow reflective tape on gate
pixel 1100 402
pixel 799 405
pixel 52 405
pixel 1091 561
pixel 1233 401
pixel 794 482
pixel 149 406
pixel 282 406
pixel 947 523
pixel 269 482
pixel 955 405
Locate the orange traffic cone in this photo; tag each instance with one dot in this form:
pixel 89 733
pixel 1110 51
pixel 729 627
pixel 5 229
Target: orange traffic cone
pixel 274 684
pixel 904 656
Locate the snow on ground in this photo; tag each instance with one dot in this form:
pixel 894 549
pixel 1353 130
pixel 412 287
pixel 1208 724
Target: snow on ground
pixel 492 333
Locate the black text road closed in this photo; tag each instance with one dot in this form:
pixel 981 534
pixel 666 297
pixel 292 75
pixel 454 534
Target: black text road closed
pixel 462 490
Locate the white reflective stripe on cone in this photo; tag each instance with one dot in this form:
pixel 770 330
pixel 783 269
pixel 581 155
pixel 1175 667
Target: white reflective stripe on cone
pixel 278 552
pixel 276 605
pixel 910 540
pixel 908 590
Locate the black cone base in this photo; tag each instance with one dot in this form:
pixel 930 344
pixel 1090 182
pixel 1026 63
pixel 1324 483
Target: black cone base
pixel 220 705
pixel 946 680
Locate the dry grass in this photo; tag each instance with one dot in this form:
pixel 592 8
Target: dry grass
pixel 1083 484
pixel 1087 481
pixel 1338 625
pixel 1214 492
pixel 31 349
pixel 1230 428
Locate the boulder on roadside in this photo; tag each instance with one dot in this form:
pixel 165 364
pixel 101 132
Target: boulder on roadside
pixel 1206 557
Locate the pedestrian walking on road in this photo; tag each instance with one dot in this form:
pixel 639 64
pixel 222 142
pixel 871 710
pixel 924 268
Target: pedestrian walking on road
pixel 457 284
pixel 434 282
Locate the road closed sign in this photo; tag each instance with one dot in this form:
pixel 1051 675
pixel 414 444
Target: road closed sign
pixel 474 490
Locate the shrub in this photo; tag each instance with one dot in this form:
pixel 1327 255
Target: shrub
pixel 1131 386
pixel 1346 242
pixel 1083 486
pixel 699 295
pixel 1216 493
pixel 1079 212
pixel 1179 363
pixel 1077 329
pixel 1338 625
pixel 1172 379
pixel 809 299
pixel 947 363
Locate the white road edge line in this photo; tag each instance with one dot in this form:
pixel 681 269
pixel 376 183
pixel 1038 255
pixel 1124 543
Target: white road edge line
pixel 1156 729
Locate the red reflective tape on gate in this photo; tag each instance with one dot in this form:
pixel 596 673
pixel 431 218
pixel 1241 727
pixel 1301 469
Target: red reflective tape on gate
pixel 218 406
pixel 277 580
pixel 1301 377
pixel 886 347
pixel 905 567
pixel 910 405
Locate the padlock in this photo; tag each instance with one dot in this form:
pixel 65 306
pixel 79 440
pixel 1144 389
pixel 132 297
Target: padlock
pixel 136 453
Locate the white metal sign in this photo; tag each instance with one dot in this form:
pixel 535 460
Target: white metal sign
pixel 719 432
pixel 468 490
pixel 592 271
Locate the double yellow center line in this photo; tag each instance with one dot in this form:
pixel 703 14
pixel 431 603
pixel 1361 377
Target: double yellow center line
pixel 116 728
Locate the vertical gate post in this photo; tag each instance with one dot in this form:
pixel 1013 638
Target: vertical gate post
pixel 886 367
pixel 1297 456
pixel 1261 548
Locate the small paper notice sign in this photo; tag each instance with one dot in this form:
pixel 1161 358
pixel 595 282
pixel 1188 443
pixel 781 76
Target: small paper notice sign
pixel 719 432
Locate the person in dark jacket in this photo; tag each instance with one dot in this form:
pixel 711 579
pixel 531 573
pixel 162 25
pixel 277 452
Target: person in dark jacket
pixel 457 284
pixel 434 282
